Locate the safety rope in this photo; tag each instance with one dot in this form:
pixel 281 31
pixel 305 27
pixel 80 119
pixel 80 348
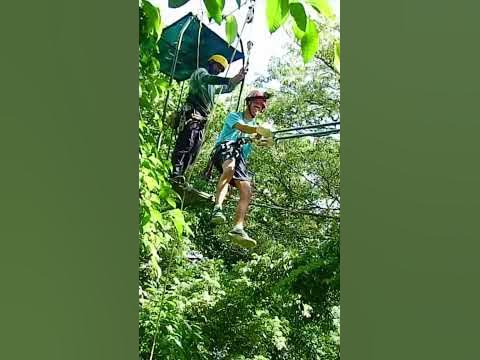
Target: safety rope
pixel 175 129
pixel 238 8
pixel 249 48
pixel 198 43
pixel 172 72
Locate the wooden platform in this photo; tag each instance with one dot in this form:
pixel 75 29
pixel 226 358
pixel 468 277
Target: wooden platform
pixel 192 196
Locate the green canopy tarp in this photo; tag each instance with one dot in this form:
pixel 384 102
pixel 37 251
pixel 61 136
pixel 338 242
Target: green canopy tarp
pixel 210 43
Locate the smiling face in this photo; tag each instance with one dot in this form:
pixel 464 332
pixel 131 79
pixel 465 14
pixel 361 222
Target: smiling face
pixel 256 105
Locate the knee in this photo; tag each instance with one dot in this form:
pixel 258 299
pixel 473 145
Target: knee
pixel 228 172
pixel 245 189
pixel 229 169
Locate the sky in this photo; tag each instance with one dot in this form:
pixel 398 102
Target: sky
pixel 265 46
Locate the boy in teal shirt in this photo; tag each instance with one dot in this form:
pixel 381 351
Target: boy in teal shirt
pixel 232 149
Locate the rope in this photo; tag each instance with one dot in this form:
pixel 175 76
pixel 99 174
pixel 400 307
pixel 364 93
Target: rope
pixel 293 210
pixel 198 44
pixel 172 72
pixel 242 4
pixel 249 47
pixel 174 131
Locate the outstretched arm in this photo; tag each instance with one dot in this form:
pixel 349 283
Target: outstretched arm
pixel 248 129
pixel 232 82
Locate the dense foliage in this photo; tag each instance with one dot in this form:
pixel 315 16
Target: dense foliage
pixel 278 301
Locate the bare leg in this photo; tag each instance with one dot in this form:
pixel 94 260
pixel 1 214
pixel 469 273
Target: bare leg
pixel 222 185
pixel 245 196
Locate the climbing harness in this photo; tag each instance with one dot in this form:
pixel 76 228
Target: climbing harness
pixel 230 149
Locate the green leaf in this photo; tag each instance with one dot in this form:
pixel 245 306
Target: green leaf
pixel 156 215
pixel 215 8
pixel 309 42
pixel 239 2
pixel 176 3
pixel 151 182
pixel 171 201
pixel 277 11
pixel 154 21
pixel 178 220
pixel 231 28
pixel 322 7
pixel 336 60
pixel 179 344
pixel 298 33
pixel 298 13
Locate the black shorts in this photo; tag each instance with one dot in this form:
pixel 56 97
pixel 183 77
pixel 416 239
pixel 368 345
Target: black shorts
pixel 241 172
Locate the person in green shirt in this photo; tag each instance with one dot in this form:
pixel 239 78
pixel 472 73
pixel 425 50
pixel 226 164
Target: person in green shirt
pixel 204 84
pixel 232 149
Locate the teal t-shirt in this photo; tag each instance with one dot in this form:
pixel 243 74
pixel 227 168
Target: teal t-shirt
pixel 229 133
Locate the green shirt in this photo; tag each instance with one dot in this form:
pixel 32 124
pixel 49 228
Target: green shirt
pixel 203 88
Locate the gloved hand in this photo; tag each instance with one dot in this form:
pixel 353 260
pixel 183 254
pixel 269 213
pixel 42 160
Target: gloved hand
pixel 239 77
pixel 264 141
pixel 264 132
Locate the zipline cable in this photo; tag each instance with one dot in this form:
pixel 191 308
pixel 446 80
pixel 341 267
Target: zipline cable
pixel 306 127
pixel 313 134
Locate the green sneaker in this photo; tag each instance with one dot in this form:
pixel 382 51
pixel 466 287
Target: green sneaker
pixel 240 237
pixel 218 217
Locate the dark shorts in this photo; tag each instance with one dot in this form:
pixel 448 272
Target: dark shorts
pixel 241 172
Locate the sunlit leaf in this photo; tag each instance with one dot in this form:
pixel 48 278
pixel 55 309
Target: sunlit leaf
pixel 171 201
pixel 231 28
pixel 297 32
pixel 151 182
pixel 178 220
pixel 179 344
pixel 323 7
pixel 309 42
pixel 277 12
pixel 298 13
pixel 215 8
pixel 154 22
pixel 156 215
pixel 336 61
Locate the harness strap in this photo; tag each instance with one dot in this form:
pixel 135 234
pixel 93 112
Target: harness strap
pixel 234 147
